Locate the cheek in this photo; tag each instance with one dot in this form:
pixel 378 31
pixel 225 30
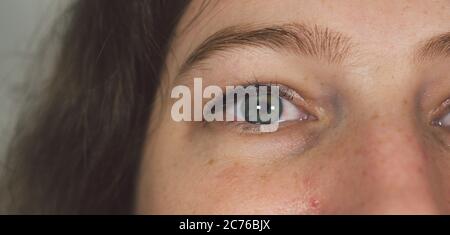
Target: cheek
pixel 227 188
pixel 242 189
pixel 180 177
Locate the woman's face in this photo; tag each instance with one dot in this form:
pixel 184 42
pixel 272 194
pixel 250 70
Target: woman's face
pixel 373 75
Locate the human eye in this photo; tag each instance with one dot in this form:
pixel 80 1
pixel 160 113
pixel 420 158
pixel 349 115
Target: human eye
pixel 288 106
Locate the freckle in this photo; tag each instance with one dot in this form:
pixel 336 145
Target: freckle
pixel 364 172
pixel 375 116
pixel 211 161
pixel 405 102
pixel 320 168
pixel 264 177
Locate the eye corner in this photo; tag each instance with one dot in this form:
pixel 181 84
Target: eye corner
pixel 440 116
pixel 436 123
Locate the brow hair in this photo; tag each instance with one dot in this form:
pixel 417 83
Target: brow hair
pixel 438 46
pixel 314 41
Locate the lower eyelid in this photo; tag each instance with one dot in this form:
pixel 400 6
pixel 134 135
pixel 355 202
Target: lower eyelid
pixel 245 127
pixel 252 129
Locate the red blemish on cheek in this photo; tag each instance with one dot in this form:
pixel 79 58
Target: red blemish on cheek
pixel 314 203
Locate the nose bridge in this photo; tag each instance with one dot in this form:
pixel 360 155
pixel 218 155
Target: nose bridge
pixel 393 148
pixel 388 127
pixel 387 163
pixel 396 172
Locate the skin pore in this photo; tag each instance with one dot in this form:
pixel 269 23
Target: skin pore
pixel 374 74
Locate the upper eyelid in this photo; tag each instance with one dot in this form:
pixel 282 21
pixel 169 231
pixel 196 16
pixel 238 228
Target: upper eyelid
pixel 285 92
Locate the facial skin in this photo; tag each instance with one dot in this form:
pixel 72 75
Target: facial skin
pixel 372 150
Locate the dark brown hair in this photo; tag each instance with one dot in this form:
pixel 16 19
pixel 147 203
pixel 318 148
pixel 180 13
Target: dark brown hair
pixel 78 151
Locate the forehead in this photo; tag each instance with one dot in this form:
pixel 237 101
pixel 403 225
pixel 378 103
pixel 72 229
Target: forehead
pixel 383 26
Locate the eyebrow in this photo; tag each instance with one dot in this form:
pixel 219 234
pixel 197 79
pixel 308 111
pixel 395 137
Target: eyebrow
pixel 313 41
pixel 438 46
